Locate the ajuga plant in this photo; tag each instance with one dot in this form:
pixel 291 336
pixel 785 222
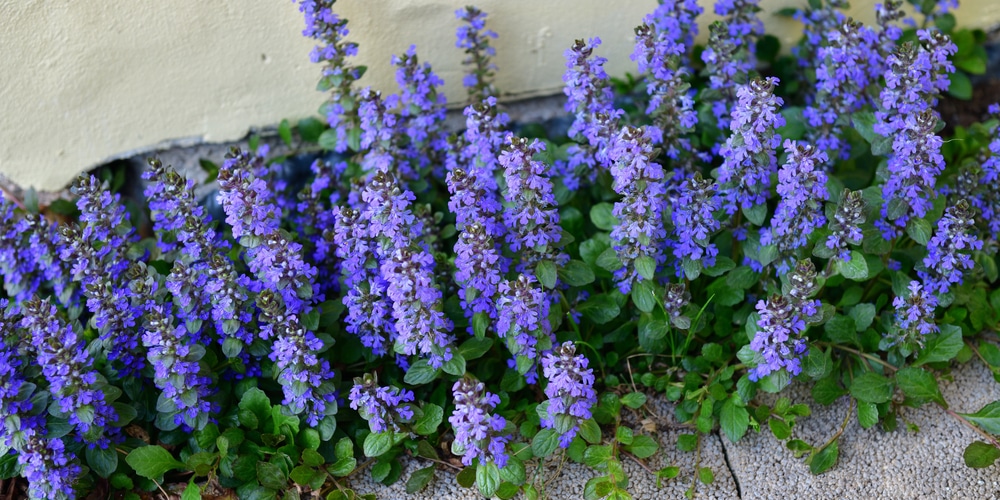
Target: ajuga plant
pixel 494 304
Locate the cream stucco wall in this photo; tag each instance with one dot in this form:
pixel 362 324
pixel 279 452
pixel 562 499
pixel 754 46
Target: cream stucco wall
pixel 87 81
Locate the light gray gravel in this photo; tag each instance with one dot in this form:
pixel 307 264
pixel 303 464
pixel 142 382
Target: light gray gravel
pixel 873 463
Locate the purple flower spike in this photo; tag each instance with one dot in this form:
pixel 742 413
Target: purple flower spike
pixel 749 154
pixel 802 188
pixel 65 361
pixel 640 234
pixel 474 39
pixel 368 306
pixel 421 113
pixel 523 321
pixel 532 216
pixel 949 250
pixel 383 407
pixel 845 228
pixel 694 222
pixel 915 312
pixel 917 74
pixel 779 337
pixel 329 30
pixel 658 53
pixel 590 98
pixel 570 391
pixel 477 433
pixel 49 469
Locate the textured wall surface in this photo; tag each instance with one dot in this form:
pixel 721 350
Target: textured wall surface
pixel 85 82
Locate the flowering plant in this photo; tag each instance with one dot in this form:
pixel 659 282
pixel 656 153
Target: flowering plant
pixel 732 221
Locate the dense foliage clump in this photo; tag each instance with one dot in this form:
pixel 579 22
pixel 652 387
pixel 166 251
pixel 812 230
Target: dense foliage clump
pixel 731 221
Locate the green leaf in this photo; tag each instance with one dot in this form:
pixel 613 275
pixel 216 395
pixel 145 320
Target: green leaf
pixel 271 476
pixel 152 461
pixel 514 471
pixel 779 428
pixel 191 492
pixel 941 347
pixel 960 86
pixel 603 217
pixel 454 366
pixel 827 390
pixel 863 315
pixel 734 420
pixel 256 402
pixel 600 308
pixel 466 477
pixel 428 423
pixel 646 267
pixel 285 132
pixel 420 373
pixel 919 230
pixel 475 347
pixel 102 461
pixel 378 443
pixel 624 435
pixel 756 214
pixel 343 466
pixel 825 459
pixel 705 475
pixel 867 415
pixel 488 478
pixel 643 446
pixel 419 479
pixel 988 417
pixel 871 387
pixel 576 273
pixel 310 129
pixel 643 296
pixel 590 431
pixel 302 475
pixel 544 443
pixel 545 271
pixel 855 269
pixel 919 385
pixel 980 455
pixel 841 330
pixel 634 400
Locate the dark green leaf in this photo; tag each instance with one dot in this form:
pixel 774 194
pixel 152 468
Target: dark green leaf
pixel 603 217
pixel 488 478
pixel 867 414
pixel 980 455
pixel 643 446
pixel 191 492
pixel 310 129
pixel 378 444
pixel 545 271
pixel 271 476
pixel 988 417
pixel 576 273
pixel 590 431
pixel 285 132
pixel 825 459
pixel 871 387
pixel 863 315
pixel 420 373
pixel 600 308
pixel 152 461
pixel 919 385
pixel 734 420
pixel 646 267
pixel 634 400
pixel 841 330
pixel 428 423
pixel 919 230
pixel 467 477
pixel 855 269
pixel 827 390
pixel 302 475
pixel 960 86
pixel 941 347
pixel 779 428
pixel 544 443
pixel 643 296
pixel 256 402
pixel 419 479
pixel 102 461
pixel 474 348
pixel 454 366
pixel 705 475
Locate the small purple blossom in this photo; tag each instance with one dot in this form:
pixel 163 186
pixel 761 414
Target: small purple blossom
pixel 749 154
pixel 914 313
pixel 383 407
pixel 570 390
pixel 639 234
pixel 478 434
pixel 949 250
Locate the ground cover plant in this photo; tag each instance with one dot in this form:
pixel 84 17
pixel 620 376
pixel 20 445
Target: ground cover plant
pixel 730 221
